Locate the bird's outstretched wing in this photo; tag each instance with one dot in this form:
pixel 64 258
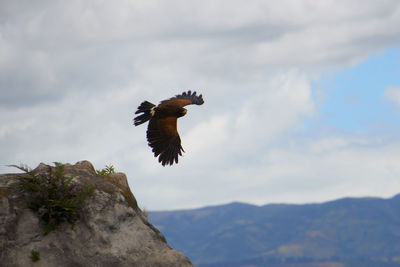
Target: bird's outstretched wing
pixel 185 99
pixel 164 139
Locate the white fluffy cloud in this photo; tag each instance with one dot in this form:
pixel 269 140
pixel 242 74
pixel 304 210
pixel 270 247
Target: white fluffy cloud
pixel 393 94
pixel 72 74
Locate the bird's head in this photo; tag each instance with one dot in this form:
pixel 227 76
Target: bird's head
pixel 182 112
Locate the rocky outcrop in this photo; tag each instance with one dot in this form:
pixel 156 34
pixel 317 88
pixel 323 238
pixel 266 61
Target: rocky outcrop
pixel 112 230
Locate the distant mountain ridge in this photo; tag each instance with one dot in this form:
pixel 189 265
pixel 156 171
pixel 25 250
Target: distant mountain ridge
pixel 344 232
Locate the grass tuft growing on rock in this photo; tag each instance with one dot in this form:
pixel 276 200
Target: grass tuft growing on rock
pixel 35 255
pixel 52 195
pixel 108 169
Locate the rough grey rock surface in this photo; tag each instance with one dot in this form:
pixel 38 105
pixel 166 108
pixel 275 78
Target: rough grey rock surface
pixel 112 231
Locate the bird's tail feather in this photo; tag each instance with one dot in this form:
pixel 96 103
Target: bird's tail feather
pixel 146 109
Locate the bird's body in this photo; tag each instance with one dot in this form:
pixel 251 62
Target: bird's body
pixel 162 133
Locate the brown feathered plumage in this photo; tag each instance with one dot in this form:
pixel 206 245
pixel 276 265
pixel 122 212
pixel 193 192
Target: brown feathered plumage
pixel 162 133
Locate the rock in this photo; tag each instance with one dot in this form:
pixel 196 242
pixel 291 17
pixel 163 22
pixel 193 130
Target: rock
pixel 112 230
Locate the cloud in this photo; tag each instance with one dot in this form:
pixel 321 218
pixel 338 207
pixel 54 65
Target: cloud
pixel 72 74
pixel 57 47
pixel 296 173
pixel 393 94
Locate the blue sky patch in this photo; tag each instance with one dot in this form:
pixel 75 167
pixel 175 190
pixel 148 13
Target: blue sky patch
pixel 354 98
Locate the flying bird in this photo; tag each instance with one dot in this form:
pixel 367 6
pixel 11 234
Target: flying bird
pixel 162 133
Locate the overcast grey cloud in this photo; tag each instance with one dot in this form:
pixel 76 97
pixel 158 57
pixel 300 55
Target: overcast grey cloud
pixel 73 72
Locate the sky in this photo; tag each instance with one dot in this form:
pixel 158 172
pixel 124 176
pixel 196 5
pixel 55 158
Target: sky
pixel 302 98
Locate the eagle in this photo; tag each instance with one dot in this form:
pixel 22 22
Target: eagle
pixel 162 133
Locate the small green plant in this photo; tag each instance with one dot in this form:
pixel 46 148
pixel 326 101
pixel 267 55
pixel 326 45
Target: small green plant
pixel 35 255
pixel 52 195
pixel 108 169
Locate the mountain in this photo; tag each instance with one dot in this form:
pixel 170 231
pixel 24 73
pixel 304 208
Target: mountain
pixel 40 226
pixel 345 232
